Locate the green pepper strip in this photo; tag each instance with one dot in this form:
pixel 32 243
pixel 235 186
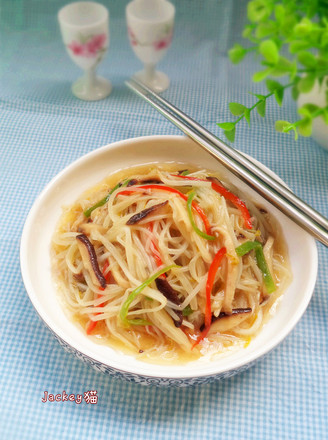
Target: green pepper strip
pixel 125 307
pixel 246 247
pixel 187 311
pixel 192 221
pixel 102 202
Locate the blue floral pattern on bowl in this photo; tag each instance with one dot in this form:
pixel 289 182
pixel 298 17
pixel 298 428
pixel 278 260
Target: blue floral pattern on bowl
pixel 143 379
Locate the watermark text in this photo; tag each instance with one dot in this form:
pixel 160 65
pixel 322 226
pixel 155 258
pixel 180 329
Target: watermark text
pixel 88 397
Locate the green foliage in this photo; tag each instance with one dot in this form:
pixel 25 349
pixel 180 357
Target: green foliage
pixel 229 130
pixel 261 75
pixel 247 115
pixel 269 50
pixel 305 127
pixel 259 10
pixel 307 59
pixel 306 84
pixel 261 108
pixel 290 39
pixel 230 135
pixel 227 126
pixel 236 109
pixel 237 53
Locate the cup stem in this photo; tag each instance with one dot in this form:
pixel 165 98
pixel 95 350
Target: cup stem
pixel 149 72
pixel 90 78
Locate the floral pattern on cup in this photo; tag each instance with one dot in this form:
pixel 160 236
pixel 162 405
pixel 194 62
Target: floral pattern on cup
pixel 88 47
pixel 160 44
pixel 164 42
pixel 132 37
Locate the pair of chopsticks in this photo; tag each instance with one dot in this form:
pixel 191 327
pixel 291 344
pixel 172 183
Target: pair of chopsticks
pixel 258 179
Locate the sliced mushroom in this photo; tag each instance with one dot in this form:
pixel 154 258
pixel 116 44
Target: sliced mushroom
pixel 262 210
pixel 132 182
pixel 90 261
pixel 167 290
pixel 172 295
pixel 154 180
pixel 176 316
pixel 151 180
pixel 225 322
pixel 142 214
pixel 214 179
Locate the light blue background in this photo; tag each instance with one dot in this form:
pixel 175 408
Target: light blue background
pixel 43 129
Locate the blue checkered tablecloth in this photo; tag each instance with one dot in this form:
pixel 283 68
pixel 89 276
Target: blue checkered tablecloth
pixel 43 128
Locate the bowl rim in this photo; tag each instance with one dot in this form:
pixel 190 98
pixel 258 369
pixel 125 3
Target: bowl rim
pixel 192 373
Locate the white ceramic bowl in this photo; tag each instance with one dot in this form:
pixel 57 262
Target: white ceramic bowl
pixel 92 168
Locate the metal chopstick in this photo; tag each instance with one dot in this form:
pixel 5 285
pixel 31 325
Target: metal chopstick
pixel 251 166
pixel 272 190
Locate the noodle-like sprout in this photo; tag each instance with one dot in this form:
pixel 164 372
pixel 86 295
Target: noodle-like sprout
pixel 102 259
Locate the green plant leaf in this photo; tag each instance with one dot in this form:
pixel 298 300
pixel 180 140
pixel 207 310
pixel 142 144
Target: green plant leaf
pixel 281 125
pixel 293 71
pixel 248 30
pixel 304 27
pixel 272 85
pixel 261 75
pixel 305 85
pixel 236 53
pixel 227 126
pixel 230 135
pixel 265 29
pixel 247 115
pixel 269 50
pixel 312 8
pixel 288 24
pixel 236 108
pixel 325 115
pixel 286 127
pixel 295 92
pixel 258 95
pixel 320 81
pixel 279 95
pixel 282 67
pixel 307 59
pixel 305 127
pixel 261 108
pixel 258 10
pixel 279 12
pixel 296 46
pixel 324 39
pixel 307 110
pixel 322 61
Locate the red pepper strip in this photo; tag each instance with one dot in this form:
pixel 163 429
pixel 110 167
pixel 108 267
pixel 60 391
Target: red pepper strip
pixel 227 195
pixel 235 201
pixel 209 286
pixel 155 250
pixel 195 205
pixel 92 324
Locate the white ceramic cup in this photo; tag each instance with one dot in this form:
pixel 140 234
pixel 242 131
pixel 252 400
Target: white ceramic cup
pixel 150 29
pixel 317 96
pixel 85 31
